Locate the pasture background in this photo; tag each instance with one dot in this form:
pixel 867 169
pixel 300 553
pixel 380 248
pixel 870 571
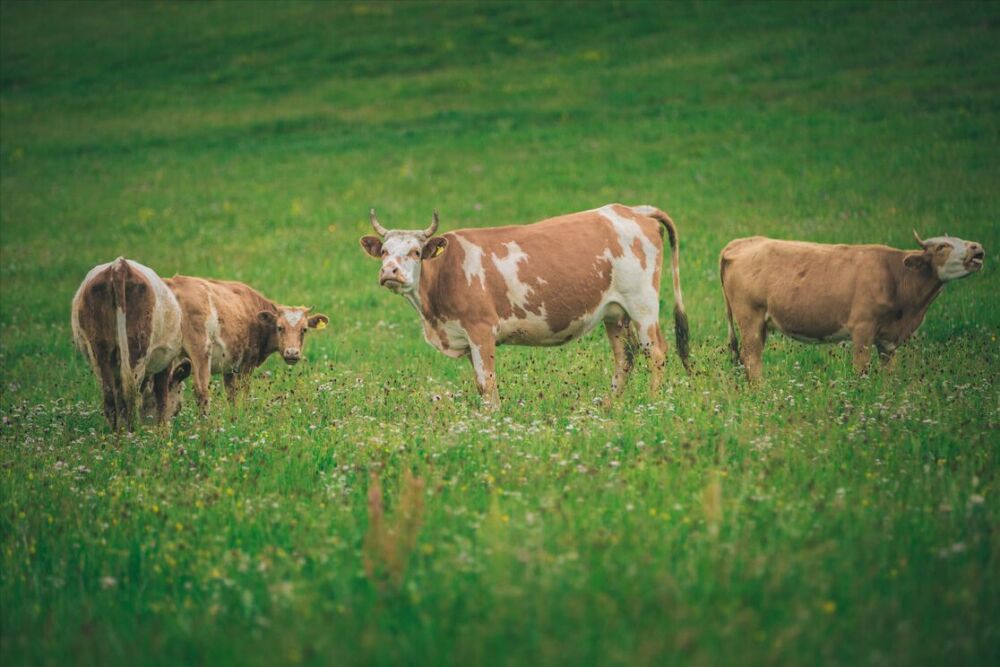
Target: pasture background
pixel 819 518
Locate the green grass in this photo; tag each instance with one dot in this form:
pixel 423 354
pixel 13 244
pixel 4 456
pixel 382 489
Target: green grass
pixel 859 520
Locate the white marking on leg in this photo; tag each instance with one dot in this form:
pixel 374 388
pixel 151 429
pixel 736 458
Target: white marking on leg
pixel 477 365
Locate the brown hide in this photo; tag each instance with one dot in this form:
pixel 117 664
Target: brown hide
pixel 231 328
pixel 871 294
pixel 248 342
pixel 812 290
pixel 117 285
pixel 566 267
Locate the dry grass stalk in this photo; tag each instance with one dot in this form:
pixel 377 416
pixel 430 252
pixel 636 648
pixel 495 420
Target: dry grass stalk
pixel 390 541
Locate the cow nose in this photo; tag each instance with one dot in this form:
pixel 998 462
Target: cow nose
pixel 390 273
pixel 976 251
pixel 292 354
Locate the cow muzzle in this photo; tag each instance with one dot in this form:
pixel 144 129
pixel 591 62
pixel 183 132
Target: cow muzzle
pixel 292 355
pixel 974 257
pixel 392 278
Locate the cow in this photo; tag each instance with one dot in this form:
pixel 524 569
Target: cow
pixel 229 328
pixel 871 294
pixel 128 324
pixel 541 284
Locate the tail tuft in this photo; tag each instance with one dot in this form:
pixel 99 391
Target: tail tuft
pixel 682 337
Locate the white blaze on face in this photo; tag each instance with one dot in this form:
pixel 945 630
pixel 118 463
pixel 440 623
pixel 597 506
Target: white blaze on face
pixel 472 265
pixel 402 251
pixel 954 266
pixel 293 316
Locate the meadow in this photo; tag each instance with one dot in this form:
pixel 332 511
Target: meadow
pixel 361 507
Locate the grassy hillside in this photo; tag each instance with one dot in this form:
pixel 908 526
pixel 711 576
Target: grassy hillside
pixel 819 518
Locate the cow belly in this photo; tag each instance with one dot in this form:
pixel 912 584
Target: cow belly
pixel 160 357
pixel 222 361
pixel 449 338
pixel 807 331
pixel 535 330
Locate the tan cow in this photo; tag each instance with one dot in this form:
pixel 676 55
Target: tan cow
pixel 872 294
pixel 541 284
pixel 230 328
pixel 128 324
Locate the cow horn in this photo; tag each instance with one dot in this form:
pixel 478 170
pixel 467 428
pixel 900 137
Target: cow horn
pixel 429 232
pixel 379 229
pixel 920 241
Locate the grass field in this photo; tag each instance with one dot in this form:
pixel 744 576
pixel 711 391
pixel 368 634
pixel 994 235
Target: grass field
pixel 817 518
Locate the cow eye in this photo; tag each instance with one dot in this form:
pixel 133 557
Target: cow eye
pixel 385 252
pixel 414 253
pixel 280 328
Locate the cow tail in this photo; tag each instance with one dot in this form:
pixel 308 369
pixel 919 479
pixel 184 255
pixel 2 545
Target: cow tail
pixel 119 275
pixel 681 331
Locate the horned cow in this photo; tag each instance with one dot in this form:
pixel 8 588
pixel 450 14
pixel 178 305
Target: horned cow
pixel 540 284
pixel 230 328
pixel 128 324
pixel 872 294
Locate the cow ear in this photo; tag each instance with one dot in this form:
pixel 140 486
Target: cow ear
pixel 916 260
pixel 318 321
pixel 181 372
pixel 372 245
pixel 434 247
pixel 267 318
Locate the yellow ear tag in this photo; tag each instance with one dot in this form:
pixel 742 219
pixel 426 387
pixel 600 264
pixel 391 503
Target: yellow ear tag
pixel 438 250
pixel 320 325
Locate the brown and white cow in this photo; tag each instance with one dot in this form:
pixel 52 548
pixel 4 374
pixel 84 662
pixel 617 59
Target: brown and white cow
pixel 540 284
pixel 230 328
pixel 872 294
pixel 128 324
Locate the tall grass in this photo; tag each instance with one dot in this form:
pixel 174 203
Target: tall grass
pixel 361 507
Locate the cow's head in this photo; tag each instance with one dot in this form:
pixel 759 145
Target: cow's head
pixel 948 256
pixel 178 371
pixel 287 330
pixel 402 252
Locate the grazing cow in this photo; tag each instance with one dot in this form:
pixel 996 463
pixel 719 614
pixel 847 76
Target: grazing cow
pixel 872 294
pixel 540 284
pixel 231 328
pixel 128 324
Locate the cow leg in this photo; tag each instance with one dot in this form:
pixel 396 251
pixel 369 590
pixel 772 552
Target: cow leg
pixel 161 385
pixel 653 345
pixel 862 340
pixel 753 334
pixel 201 370
pixel 618 333
pixel 110 407
pixel 236 385
pixel 734 342
pixel 887 355
pixel 482 354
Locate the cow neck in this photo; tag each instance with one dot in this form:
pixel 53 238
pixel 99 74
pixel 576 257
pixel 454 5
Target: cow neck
pixel 419 297
pixel 919 289
pixel 264 346
pixel 413 297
